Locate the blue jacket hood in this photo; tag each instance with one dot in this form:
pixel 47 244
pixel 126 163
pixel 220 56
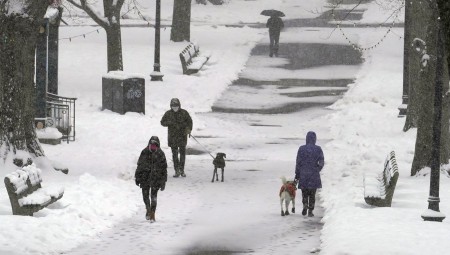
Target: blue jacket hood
pixel 311 138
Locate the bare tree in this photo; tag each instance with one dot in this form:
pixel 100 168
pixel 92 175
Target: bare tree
pixel 181 21
pixel 20 22
pixel 423 70
pixel 420 38
pixel 444 18
pixel 111 23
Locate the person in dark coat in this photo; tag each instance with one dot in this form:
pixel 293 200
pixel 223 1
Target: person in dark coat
pixel 275 24
pixel 179 125
pixel 310 161
pixel 151 174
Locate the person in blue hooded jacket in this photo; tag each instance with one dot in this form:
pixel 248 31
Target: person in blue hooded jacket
pixel 310 161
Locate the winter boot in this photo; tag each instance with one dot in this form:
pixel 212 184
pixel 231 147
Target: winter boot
pixel 310 213
pixel 177 173
pixel 183 174
pixel 147 215
pixel 304 211
pixel 152 216
pixel 293 209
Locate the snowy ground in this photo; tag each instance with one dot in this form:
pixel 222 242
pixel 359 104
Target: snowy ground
pixel 356 134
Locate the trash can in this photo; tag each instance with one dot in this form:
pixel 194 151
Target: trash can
pixel 123 92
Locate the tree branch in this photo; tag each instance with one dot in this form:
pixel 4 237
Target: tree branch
pixel 119 5
pixel 85 7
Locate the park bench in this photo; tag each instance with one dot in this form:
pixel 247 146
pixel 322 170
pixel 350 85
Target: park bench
pixel 26 193
pixel 192 60
pixel 379 189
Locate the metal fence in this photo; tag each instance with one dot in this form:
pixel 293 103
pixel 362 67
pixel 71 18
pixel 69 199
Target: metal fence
pixel 61 115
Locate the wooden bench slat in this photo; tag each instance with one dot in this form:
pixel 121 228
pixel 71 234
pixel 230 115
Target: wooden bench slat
pixel 191 59
pixel 25 192
pixel 385 182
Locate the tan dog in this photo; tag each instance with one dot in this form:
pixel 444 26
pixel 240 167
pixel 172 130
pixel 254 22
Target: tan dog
pixel 287 195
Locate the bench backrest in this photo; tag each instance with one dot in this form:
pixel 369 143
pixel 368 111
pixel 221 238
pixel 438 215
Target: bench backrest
pixel 187 54
pixel 185 59
pixel 390 176
pixel 17 183
pixel 21 183
pixel 34 175
pixel 390 169
pixel 192 50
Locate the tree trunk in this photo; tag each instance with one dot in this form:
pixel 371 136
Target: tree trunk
pixel 419 13
pixel 425 92
pixel 112 28
pixel 114 47
pixel 444 11
pixel 17 91
pixel 181 21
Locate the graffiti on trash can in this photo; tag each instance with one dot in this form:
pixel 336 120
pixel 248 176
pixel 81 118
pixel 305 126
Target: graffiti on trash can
pixel 134 93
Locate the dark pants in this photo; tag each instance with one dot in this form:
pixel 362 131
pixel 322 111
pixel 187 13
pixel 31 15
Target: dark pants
pixel 309 198
pixel 274 40
pixel 154 195
pixel 178 164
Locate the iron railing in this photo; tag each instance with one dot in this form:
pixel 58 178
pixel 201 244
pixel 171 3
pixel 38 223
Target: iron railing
pixel 61 115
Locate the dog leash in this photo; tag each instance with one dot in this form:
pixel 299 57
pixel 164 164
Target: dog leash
pixel 204 148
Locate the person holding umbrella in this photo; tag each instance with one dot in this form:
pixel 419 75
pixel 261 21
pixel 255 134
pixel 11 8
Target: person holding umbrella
pixel 275 24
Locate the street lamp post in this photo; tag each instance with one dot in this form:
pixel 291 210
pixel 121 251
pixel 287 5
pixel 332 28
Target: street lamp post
pixel 406 70
pixel 156 75
pixel 433 213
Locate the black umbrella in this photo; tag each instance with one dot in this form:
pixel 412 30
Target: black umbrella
pixel 272 12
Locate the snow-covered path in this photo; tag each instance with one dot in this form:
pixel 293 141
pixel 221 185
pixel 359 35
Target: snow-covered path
pixel 195 216
pixel 204 217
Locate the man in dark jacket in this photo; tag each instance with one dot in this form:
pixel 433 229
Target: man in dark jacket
pixel 275 24
pixel 310 161
pixel 151 173
pixel 179 125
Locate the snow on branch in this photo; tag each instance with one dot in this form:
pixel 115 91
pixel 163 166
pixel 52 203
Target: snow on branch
pixel 91 11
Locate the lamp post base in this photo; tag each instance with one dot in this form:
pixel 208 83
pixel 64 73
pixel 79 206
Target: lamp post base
pixel 156 76
pixel 430 215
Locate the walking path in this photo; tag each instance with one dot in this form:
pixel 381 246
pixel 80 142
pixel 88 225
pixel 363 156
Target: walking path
pixel 278 98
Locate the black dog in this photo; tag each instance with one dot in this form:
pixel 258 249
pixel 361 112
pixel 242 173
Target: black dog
pixel 219 162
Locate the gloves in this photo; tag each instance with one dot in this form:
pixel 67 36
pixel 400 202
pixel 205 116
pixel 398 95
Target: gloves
pixel 188 132
pixel 163 187
pixel 136 181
